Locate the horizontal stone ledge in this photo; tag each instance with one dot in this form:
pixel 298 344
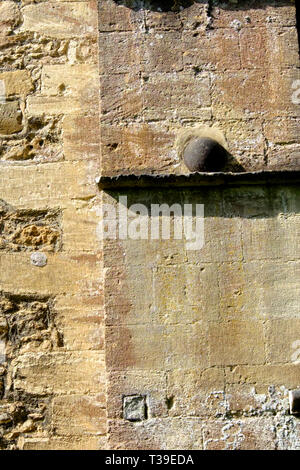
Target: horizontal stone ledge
pixel 195 180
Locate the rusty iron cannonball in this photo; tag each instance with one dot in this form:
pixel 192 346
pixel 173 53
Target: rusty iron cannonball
pixel 204 154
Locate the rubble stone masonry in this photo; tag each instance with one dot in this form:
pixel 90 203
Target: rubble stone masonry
pixel 137 344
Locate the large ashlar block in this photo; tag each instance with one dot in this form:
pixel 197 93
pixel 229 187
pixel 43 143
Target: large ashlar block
pixel 236 342
pixel 60 373
pixel 113 17
pixel 216 49
pixel 81 313
pixel 60 105
pixel 245 141
pixel 281 131
pixel 157 347
pixel 164 96
pixel 157 433
pixel 78 415
pixel 272 98
pixel 139 147
pixel 52 185
pixel 191 291
pixel 258 290
pixel 162 52
pixel 64 443
pixel 265 376
pixel 61 20
pixel 272 238
pixel 81 140
pixel 10 118
pixel 74 80
pixel 120 53
pixel 20 275
pixel 261 14
pixel 9 17
pixel 80 222
pixel 121 97
pixel 269 47
pixel 283 340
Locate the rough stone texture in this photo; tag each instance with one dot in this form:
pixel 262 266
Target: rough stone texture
pixel 206 340
pixel 52 382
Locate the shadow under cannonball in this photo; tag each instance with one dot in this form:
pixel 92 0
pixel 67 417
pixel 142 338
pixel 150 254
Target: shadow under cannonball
pixel 156 5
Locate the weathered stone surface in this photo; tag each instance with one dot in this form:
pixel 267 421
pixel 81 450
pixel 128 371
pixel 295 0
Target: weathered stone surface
pixel 134 408
pixel 9 17
pixel 251 434
pixel 51 345
pixel 17 82
pixel 207 340
pixel 10 117
pixel 61 20
pixel 78 415
pixel 58 373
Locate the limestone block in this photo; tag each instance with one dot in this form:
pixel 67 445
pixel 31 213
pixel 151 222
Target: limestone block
pixel 133 347
pixel 236 342
pixel 283 340
pixel 77 415
pixel 162 52
pixel 121 97
pixel 81 313
pixel 31 186
pixel 63 443
pixel 165 95
pixel 275 15
pixel 233 97
pixel 81 137
pixel 265 376
pixel 74 80
pixel 19 275
pixel 247 434
pixel 150 384
pixel 138 148
pixel 269 47
pixel 61 19
pixel 196 392
pixel 120 53
pixel 10 117
pixel 160 434
pixel 59 373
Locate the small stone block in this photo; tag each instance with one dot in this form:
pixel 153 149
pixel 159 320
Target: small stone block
pixel 134 408
pixel 294 398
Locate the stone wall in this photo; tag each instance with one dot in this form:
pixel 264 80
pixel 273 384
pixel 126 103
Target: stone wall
pixel 52 382
pixel 130 344
pixel 227 65
pixel 208 338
